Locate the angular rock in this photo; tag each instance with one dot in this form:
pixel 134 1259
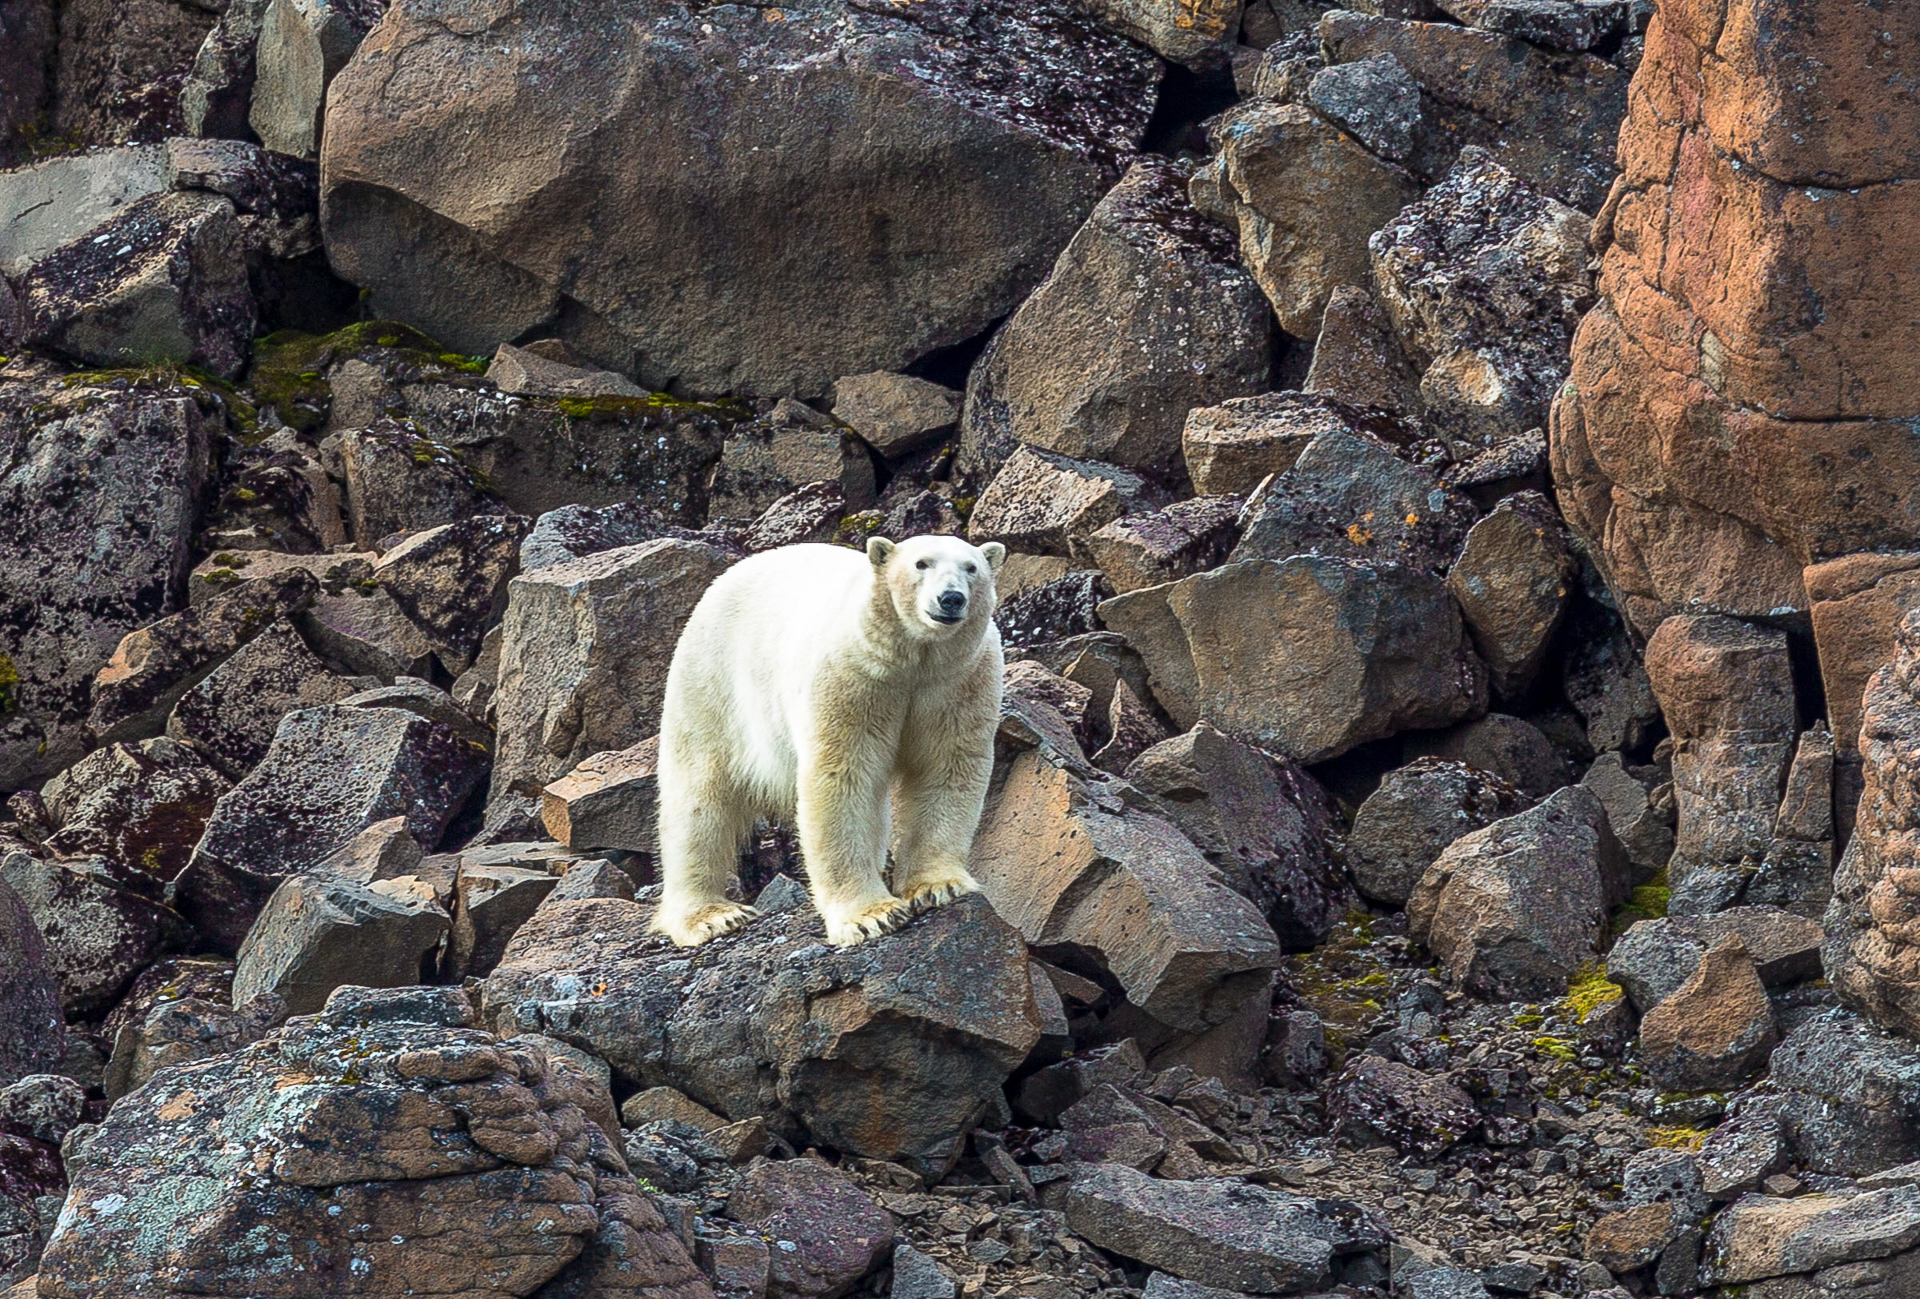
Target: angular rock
pixel 1513 910
pixel 896 413
pixel 218 92
pixel 42 1106
pixel 33 1032
pixel 1509 747
pixel 933 1017
pixel 841 1234
pixel 151 669
pixel 576 531
pixel 584 654
pixel 1762 1237
pixel 1418 810
pixel 163 281
pixel 382 851
pixel 1261 819
pixel 1655 957
pixel 1230 448
pixel 917 1276
pixel 1358 359
pixel 1850 1094
pixel 404 1117
pixel 1797 872
pixel 97 511
pixel 1229 1235
pixel 119 67
pixel 322 932
pixel 330 774
pixel 1304 197
pixel 1749 1147
pixel 99 935
pixel 451 581
pixel 1571 25
pixel 1190 536
pixel 474 256
pixel 1417 1113
pixel 1485 278
pixel 1040 503
pixel 813 513
pixel 492 902
pixel 1513 581
pixel 1075 870
pixel 364 631
pixel 1042 710
pixel 782 451
pixel 401 481
pixel 609 801
pixel 1639 807
pixel 551 371
pixel 1857 602
pixel 1053 611
pixel 32 27
pixel 51 204
pixel 1716 1029
pixel 137 808
pixel 229 717
pixel 1632 1238
pixel 1146 315
pixel 1374 100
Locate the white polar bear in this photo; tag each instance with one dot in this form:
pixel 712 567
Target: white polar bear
pixel 810 684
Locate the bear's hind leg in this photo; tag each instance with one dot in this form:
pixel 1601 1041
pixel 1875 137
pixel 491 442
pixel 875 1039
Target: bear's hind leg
pixel 700 830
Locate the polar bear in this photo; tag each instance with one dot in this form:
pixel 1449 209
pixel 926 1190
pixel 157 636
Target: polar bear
pixel 813 685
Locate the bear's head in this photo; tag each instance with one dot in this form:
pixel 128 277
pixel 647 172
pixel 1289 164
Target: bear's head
pixel 939 586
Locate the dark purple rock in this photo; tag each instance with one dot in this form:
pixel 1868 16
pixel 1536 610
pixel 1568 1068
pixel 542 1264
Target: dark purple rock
pixel 841 1233
pixel 1417 1113
pixel 1054 610
pixel 33 1032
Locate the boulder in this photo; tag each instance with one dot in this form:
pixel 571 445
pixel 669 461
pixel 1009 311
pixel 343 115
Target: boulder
pixel 1418 1114
pixel 229 716
pixel 301 46
pixel 317 933
pixel 1146 315
pixel 1040 503
pixel 1261 819
pixel 382 851
pixel 1726 689
pixel 399 480
pixel 1231 448
pixel 1744 1150
pixel 1655 957
pixel 218 92
pixel 451 581
pixel 1058 610
pixel 1308 657
pixel 782 451
pixel 43 1106
pixel 363 630
pixel 330 773
pixel 584 653
pixel 137 809
pixel 1186 537
pixel 576 531
pixel 1513 581
pixel 609 801
pixel 459 1163
pixel 1229 1235
pixel 890 1049
pixel 118 69
pixel 1850 1095
pixel 896 413
pixel 1716 1029
pixel 1195 34
pixel 1418 810
pixel 491 903
pixel 1762 1237
pixel 51 204
pixel 33 1032
pixel 550 369
pixel 1797 872
pixel 1509 747
pixel 1081 874
pixel 98 934
pixel 1856 604
pixel 1375 100
pixel 1485 279
pixel 163 281
pixel 812 513
pixel 627 115
pixel 1304 196
pixel 1358 359
pixel 840 1233
pixel 1571 25
pixel 97 512
pixel 1640 808
pixel 1511 911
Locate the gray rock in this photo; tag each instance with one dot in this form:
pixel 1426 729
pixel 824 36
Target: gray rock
pixel 1509 747
pixel 1417 1113
pixel 916 1276
pixel 322 932
pixel 1375 100
pixel 1228 1235
pixel 400 480
pixel 841 1234
pixel 51 204
pixel 1850 1095
pixel 1231 448
pixel 1654 957
pixel 785 120
pixel 33 1032
pixel 1762 1237
pixel 1059 610
pixel 1514 579
pixel 896 413
pixel 1404 825
pixel 1571 25
pixel 1445 1283
pixel 1640 808
pixel 330 774
pixel 382 851
pixel 491 903
pixel 1512 910
pixel 811 513
pixel 939 1013
pixel 1743 1151
pixel 43 1106
pixel 594 878
pixel 1716 1030
pixel 576 531
pixel 179 1030
pixel 412 695
pixel 1186 537
pixel 219 88
pixel 363 630
pixel 782 451
pixel 451 581
pixel 135 809
pixel 1146 315
pixel 550 370
pixel 300 48
pixel 99 936
pixel 1040 503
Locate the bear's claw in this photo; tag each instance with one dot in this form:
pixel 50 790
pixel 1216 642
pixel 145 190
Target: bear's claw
pixel 868 922
pixel 706 923
pixel 926 894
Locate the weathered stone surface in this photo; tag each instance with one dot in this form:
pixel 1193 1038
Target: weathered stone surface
pixel 584 654
pixel 99 935
pixel 1146 315
pixel 1373 99
pixel 615 229
pixel 382 851
pixel 1548 117
pixel 811 513
pixel 1349 495
pixel 97 507
pixel 1261 819
pixel 229 717
pixel 1655 957
pixel 1358 358
pixel 401 481
pixel 1404 825
pixel 33 1032
pixel 30 27
pixel 1571 25
pixel 451 581
pixel 1509 747
pixel 137 809
pixel 1177 540
pixel 1071 867
pixel 1761 1236
pixel 1039 503
pixel 1716 1029
pixel 1850 1095
pixel 163 281
pixel 363 630
pixel 550 370
pixel 1485 278
pixel 1417 1113
pixel 576 531
pixel 782 451
pixel 42 1106
pixel 895 413
pixel 1726 689
pixel 301 46
pixel 841 1234
pixel 1307 657
pixel 1640 807
pixel 1304 196
pixel 1512 910
pixel 119 68
pixel 322 932
pixel 1748 1147
pixel 609 801
pixel 471 1160
pixel 888 1049
pixel 1857 602
pixel 491 904
pixel 53 203
pixel 330 774
pixel 1513 581
pixel 1228 1235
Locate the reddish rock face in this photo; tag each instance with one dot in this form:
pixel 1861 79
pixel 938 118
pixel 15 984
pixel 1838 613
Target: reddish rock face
pixel 1739 403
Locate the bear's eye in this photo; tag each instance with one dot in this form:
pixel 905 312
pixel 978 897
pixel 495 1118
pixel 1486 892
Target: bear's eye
pixel 972 569
pixel 921 564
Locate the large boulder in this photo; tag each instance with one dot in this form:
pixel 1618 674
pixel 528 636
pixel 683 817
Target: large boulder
pixel 1723 428
pixel 301 46
pixel 1716 1029
pixel 1850 1095
pixel 321 932
pixel 814 133
pixel 1514 580
pixel 119 67
pixel 1654 958
pixel 451 581
pixel 230 716
pixel 1146 315
pixel 51 204
pixel 890 1049
pixel 99 501
pixel 99 935
pixel 330 774
pixel 137 809
pixel 388 1146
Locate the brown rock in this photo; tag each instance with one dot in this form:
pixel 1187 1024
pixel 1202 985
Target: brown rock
pixel 1513 582
pixel 137 809
pixel 782 451
pixel 1358 358
pixel 119 68
pixel 895 413
pixel 322 932
pixel 1230 448
pixel 1174 541
pixel 1404 825
pixel 1857 602
pixel 841 1234
pixel 1040 502
pixel 399 480
pixel 451 581
pixel 608 801
pixel 230 715
pixel 1717 1030
pixel 1632 1238
pixel 529 372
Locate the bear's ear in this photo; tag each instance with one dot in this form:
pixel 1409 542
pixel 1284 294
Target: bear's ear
pixel 879 550
pixel 996 555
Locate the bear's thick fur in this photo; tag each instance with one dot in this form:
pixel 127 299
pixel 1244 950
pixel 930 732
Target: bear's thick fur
pixel 852 697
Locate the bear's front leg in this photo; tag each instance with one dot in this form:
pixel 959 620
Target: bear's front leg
pixel 946 763
pixel 843 823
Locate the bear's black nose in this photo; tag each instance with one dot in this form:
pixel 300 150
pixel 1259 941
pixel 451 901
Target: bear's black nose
pixel 952 602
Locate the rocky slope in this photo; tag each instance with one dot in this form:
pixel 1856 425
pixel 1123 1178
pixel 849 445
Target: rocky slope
pixel 1452 832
